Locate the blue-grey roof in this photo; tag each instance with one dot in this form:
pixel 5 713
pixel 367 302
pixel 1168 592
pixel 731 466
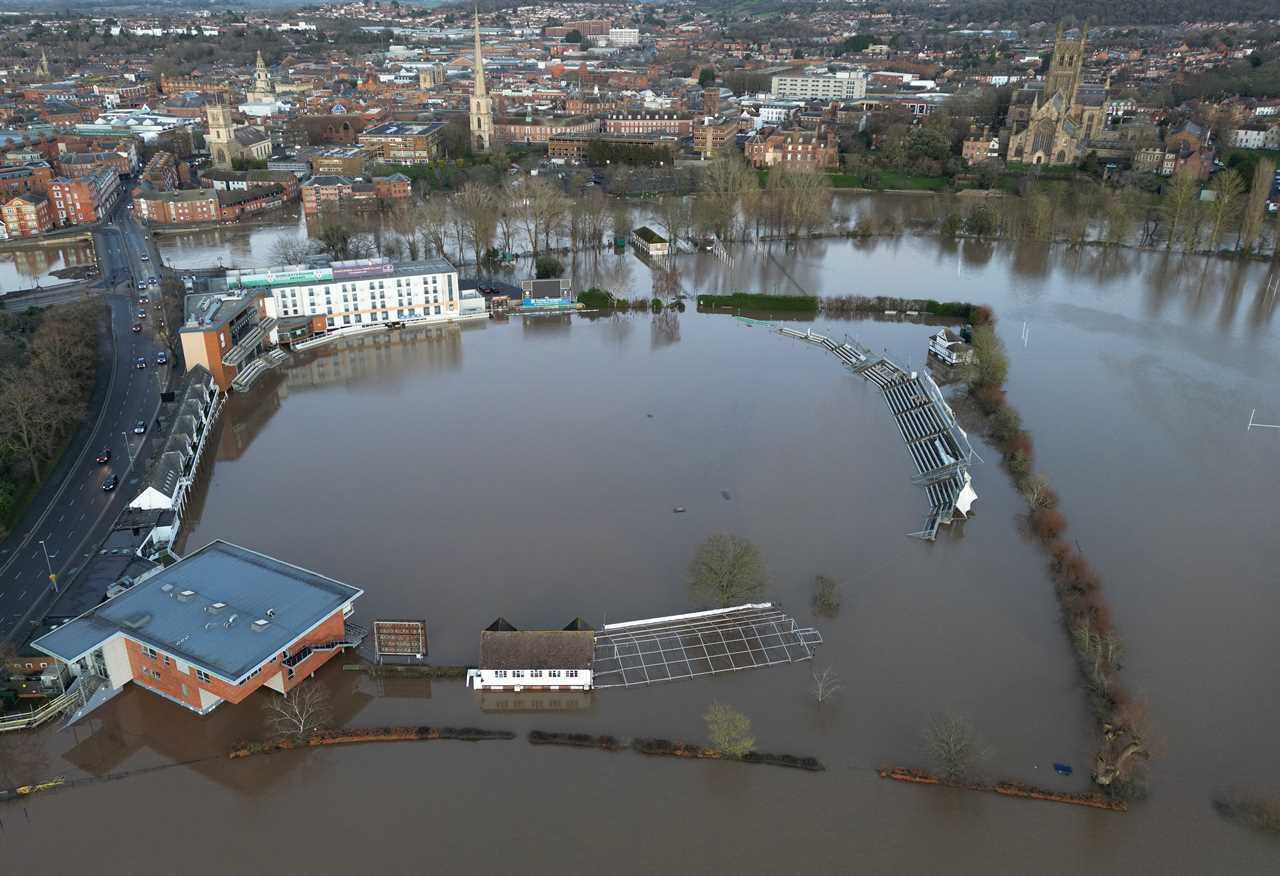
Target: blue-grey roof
pixel 191 626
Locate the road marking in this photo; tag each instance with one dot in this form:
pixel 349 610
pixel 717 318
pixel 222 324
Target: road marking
pixel 22 594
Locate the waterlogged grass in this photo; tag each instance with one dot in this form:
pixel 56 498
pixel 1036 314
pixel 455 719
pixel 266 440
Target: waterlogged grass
pixel 747 301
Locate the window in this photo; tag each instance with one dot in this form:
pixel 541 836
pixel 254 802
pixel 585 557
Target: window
pixel 501 673
pixel 437 310
pixel 202 675
pixel 554 673
pixel 572 673
pixel 518 673
pixel 535 673
pixel 186 692
pixel 166 660
pixel 148 651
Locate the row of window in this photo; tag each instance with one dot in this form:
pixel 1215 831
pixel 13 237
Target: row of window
pixel 537 673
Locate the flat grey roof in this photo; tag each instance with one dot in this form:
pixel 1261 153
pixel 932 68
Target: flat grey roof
pixel 221 640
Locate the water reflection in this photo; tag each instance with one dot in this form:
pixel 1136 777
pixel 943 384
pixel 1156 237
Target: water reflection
pixel 377 355
pixel 27 267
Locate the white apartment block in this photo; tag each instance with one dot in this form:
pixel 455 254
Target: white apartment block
pixel 363 293
pixel 624 36
pixel 845 85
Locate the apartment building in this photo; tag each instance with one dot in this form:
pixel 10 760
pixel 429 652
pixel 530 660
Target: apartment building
pixel 184 207
pixel 845 85
pixel 161 172
pixel 403 142
pixel 212 628
pixel 85 199
pixel 574 147
pixel 710 135
pixel 30 178
pixel 675 124
pixel 359 293
pixel 624 36
pixel 25 216
pixel 542 129
pixel 74 164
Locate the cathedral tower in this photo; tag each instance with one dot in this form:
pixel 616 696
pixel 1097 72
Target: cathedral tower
pixel 1064 69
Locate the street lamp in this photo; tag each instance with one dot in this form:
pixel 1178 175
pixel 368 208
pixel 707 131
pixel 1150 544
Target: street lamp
pixel 53 579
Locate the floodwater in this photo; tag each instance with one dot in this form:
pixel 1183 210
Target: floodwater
pixel 529 469
pixel 28 267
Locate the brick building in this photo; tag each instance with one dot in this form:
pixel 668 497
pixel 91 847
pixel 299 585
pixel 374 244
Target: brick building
pixel 185 207
pixel 26 216
pixel 770 147
pixel 31 178
pixel 85 199
pixel 161 172
pixel 75 164
pixel 675 124
pixel 710 135
pixel 540 130
pixel 403 142
pixel 214 627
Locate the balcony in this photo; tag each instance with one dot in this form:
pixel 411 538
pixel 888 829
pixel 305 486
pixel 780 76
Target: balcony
pixel 248 343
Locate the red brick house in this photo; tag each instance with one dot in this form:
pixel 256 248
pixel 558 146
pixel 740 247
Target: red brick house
pixel 26 216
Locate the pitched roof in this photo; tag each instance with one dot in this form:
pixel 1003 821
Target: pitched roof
pixel 536 649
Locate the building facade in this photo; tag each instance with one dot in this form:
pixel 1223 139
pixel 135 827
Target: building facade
pixel 403 142
pixel 212 628
pixel 26 216
pixel 85 199
pixel 512 659
pixel 675 124
pixel 851 85
pixel 815 150
pixel 1052 122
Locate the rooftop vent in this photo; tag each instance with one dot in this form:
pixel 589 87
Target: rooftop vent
pixel 260 624
pixel 271 612
pixel 230 621
pixel 165 588
pixel 186 595
pixel 216 607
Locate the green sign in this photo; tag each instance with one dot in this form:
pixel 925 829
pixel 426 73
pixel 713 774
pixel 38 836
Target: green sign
pixel 288 278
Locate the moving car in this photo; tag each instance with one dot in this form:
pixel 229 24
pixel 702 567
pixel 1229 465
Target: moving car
pixel 162 358
pixel 104 457
pixel 141 285
pixel 145 257
pixel 110 483
pixel 140 427
pixel 141 362
pixel 137 327
pixel 142 299
pixel 142 314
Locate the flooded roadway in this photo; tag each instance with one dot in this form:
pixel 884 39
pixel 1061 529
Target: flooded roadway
pixel 515 470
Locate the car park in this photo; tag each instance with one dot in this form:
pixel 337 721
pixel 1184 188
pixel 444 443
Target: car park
pixel 104 457
pixel 110 483
pixel 140 427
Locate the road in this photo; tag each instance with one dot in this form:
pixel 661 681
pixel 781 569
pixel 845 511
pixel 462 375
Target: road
pixel 73 519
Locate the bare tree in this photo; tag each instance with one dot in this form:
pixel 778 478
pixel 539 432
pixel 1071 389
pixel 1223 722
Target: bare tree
pixel 291 250
pixel 826 684
pixel 595 207
pixel 953 745
pixel 1124 746
pixel 1179 202
pixel 433 219
pixel 1255 211
pixel 477 206
pixel 728 730
pixel 1038 493
pixel 727 570
pixel 28 423
pixel 300 713
pixel 1225 207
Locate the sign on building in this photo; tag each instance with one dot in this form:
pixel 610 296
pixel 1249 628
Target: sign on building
pixel 400 638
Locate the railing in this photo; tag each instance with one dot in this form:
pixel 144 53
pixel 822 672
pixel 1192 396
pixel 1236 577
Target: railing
pixel 72 696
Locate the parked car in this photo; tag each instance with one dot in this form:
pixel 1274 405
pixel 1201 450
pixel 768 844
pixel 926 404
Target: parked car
pixel 110 483
pixel 162 358
pixel 137 327
pixel 141 362
pixel 104 457
pixel 140 427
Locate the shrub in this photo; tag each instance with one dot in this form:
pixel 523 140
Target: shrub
pixel 1048 524
pixel 826 596
pixel 989 398
pixel 548 267
pixel 1019 465
pixel 655 305
pixel 728 730
pixel 595 299
pixel 1005 423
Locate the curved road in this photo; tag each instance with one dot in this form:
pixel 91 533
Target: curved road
pixel 77 517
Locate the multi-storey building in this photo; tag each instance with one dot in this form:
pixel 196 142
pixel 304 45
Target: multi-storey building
pixel 26 216
pixel 185 207
pixel 574 147
pixel 541 130
pixel 403 142
pixel 31 178
pixel 359 293
pixel 213 627
pixel 591 27
pixel 161 172
pixel 711 134
pixel 85 199
pixel 675 124
pixel 845 85
pixel 624 36
pixel 771 147
pixel 74 164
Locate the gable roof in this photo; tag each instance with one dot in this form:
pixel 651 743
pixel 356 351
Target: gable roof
pixel 536 649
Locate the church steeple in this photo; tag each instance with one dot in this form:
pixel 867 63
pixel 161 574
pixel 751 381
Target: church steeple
pixel 481 105
pixel 264 90
pixel 42 71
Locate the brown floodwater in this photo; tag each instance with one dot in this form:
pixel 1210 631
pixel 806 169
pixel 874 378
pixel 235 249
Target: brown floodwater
pixel 26 267
pixel 529 469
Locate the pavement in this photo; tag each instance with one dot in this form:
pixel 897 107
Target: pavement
pixel 72 514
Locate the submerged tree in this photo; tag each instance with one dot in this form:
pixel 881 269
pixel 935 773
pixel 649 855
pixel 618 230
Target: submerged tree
pixel 826 684
pixel 728 730
pixel 953 745
pixel 727 570
pixel 300 713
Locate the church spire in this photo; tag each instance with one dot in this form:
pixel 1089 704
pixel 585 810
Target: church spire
pixel 479 64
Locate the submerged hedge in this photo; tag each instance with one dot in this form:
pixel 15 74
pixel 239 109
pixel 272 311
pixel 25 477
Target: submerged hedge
pixel 748 301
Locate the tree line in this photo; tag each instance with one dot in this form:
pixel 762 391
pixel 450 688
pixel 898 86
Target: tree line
pixel 47 364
